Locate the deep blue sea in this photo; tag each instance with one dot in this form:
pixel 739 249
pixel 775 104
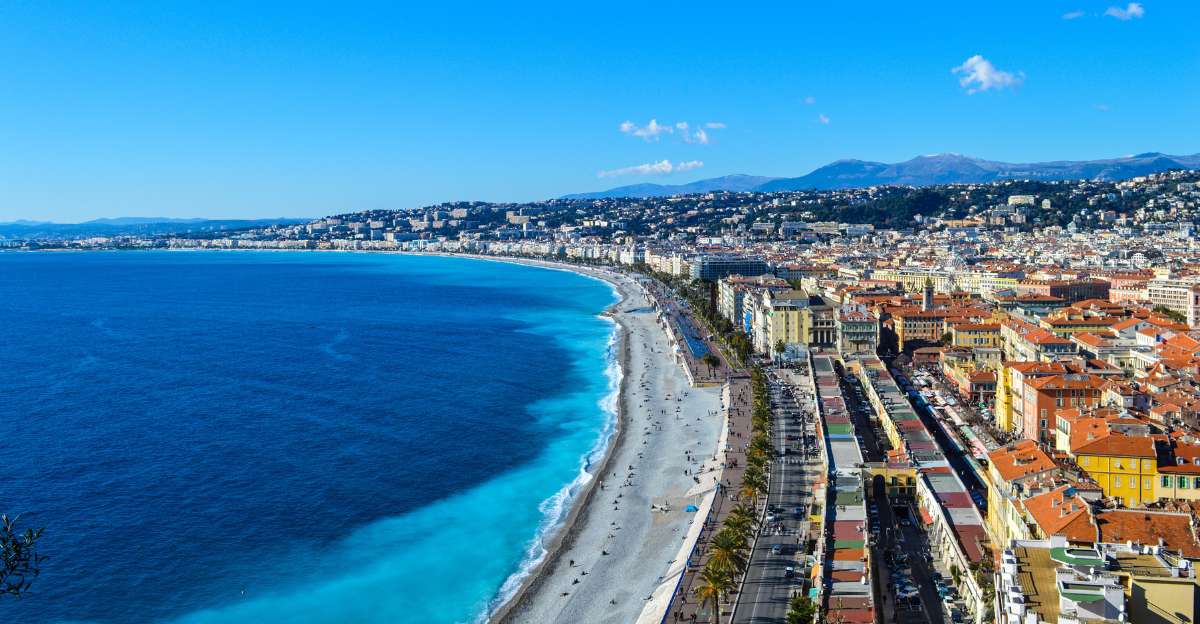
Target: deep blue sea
pixel 257 437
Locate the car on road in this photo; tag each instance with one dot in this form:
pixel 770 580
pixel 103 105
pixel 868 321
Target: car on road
pixel 776 549
pixel 789 572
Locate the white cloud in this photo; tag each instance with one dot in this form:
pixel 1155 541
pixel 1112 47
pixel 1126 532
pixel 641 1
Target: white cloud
pixel 1132 11
pixel 1101 107
pixel 1073 15
pixel 649 132
pixel 682 129
pixel 823 119
pixel 699 136
pixel 661 167
pixel 980 75
pixel 810 100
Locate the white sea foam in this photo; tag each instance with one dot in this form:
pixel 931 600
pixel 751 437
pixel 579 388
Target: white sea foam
pixel 556 508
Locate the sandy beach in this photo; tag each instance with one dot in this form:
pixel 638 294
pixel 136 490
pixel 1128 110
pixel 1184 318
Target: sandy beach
pixel 624 535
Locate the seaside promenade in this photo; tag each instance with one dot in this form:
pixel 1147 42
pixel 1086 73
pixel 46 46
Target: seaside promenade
pixel 738 404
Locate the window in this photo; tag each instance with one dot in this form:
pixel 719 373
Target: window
pixel 1117 463
pixel 1086 460
pixel 1183 483
pixel 1116 481
pixel 1196 483
pixel 1166 482
pixel 1145 465
pixel 1147 483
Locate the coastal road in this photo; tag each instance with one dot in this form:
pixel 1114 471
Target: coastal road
pixel 767 589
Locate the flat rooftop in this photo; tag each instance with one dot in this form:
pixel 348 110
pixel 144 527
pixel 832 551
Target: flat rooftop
pixel 1035 573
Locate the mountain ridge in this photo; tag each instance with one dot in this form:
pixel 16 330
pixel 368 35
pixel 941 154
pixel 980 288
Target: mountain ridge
pixel 926 170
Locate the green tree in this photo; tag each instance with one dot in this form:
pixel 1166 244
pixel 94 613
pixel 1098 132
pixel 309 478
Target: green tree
pixel 727 551
pixel 1169 313
pixel 801 610
pixel 22 563
pixel 714 585
pixel 780 348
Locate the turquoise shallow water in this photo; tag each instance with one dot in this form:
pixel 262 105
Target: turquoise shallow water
pixel 294 437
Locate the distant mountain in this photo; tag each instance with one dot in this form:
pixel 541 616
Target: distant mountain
pixel 736 182
pixel 919 171
pixel 141 220
pixel 959 169
pixel 129 226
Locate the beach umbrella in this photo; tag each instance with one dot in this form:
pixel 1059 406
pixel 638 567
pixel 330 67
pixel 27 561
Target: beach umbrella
pixel 692 508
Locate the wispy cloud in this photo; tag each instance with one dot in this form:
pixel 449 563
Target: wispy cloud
pixel 661 167
pixel 978 74
pixel 1101 107
pixel 1133 10
pixel 699 136
pixel 810 100
pixel 1073 15
pixel 649 132
pixel 653 131
pixel 823 119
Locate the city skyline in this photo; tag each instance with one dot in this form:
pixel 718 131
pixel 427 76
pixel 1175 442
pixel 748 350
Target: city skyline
pixel 145 111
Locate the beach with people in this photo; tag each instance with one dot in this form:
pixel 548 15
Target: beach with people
pixel 626 535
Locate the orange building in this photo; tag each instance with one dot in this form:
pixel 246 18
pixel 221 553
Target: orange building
pixel 1044 396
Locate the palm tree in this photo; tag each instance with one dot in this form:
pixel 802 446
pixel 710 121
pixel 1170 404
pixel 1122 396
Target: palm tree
pixel 761 443
pixel 740 525
pixel 727 552
pixel 744 511
pixel 712 587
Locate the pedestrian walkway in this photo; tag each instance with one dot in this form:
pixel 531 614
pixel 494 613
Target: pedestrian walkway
pixel 738 404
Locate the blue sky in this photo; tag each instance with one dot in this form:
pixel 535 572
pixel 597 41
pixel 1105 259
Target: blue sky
pixel 297 109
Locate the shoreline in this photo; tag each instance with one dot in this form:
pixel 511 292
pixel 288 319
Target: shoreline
pixel 675 475
pixel 568 530
pixel 628 571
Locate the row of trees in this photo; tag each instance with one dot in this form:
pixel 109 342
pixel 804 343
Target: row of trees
pixel 729 549
pixel 699 295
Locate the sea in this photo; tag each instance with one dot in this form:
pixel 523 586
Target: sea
pixel 301 437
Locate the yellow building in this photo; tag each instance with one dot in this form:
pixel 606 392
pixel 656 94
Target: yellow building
pixel 975 335
pixel 1064 327
pixel 785 321
pixel 1124 467
pixel 1179 473
pixel 1003 411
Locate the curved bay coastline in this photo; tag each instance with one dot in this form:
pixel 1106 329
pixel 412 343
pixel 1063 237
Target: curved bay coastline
pixel 642 558
pixel 539 589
